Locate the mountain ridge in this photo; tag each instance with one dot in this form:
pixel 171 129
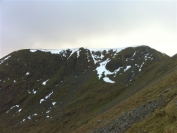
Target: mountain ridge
pixel 52 87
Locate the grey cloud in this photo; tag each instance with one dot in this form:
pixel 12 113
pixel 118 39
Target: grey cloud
pixel 65 22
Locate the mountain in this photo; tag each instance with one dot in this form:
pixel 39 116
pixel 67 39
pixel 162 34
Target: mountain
pixel 87 90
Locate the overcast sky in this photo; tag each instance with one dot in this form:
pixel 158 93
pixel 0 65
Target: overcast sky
pixel 93 24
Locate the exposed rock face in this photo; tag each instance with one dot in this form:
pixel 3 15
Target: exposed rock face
pixel 126 119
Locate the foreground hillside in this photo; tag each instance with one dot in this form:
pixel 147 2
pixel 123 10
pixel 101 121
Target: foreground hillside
pixel 87 90
pixel 151 110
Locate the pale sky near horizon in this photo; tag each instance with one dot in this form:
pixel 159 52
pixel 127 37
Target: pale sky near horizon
pixel 59 24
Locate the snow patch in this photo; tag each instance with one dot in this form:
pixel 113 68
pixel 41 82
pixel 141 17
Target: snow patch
pixel 41 101
pixel 34 92
pixel 29 92
pixel 53 103
pixel 2 61
pixel 48 111
pixel 102 68
pixel 33 50
pixel 46 97
pixel 17 106
pixel 78 51
pixel 27 73
pixel 44 83
pixel 93 57
pixel 117 70
pixel 134 54
pixel 106 79
pixel 52 51
pixel 29 117
pixel 35 114
pixel 64 53
pixel 73 51
pixel 141 66
pixel 127 67
pixel 19 110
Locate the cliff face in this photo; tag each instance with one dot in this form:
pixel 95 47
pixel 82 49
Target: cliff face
pixel 62 90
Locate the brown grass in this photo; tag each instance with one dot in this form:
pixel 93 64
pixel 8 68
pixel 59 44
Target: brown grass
pixel 171 110
pixel 154 123
pixel 170 129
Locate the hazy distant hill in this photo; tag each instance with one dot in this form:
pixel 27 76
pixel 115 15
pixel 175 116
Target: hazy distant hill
pixel 88 90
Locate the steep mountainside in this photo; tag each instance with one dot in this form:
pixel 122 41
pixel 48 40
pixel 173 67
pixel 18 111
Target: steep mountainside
pixel 151 110
pixel 67 90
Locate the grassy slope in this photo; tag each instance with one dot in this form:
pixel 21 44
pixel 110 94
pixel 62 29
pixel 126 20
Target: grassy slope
pixel 158 122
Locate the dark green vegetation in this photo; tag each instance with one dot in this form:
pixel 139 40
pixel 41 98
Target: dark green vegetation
pixel 85 103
